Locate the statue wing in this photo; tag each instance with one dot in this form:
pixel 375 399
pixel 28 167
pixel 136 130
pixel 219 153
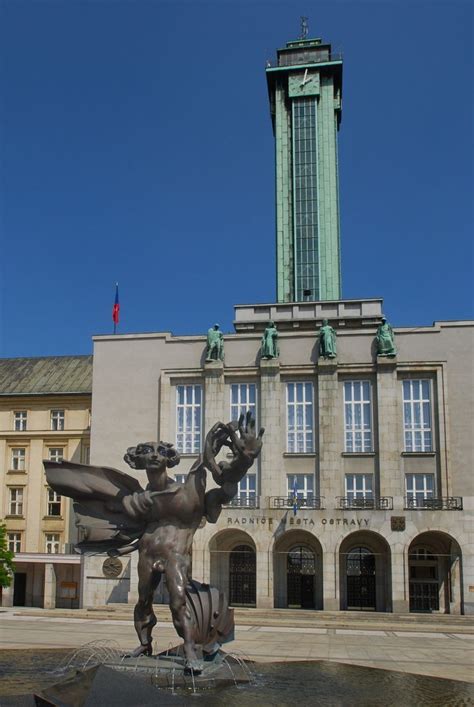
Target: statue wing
pixel 97 492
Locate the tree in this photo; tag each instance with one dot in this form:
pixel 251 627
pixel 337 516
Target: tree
pixel 6 559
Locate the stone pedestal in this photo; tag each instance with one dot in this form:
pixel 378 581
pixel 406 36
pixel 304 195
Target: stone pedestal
pixel 389 428
pixel 328 428
pixel 270 416
pixel 214 407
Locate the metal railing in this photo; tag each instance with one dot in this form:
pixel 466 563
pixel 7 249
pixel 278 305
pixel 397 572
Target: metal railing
pixel 434 503
pixel 244 502
pixel 314 502
pixel 379 503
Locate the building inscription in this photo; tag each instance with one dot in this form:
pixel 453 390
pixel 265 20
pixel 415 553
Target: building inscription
pixel 269 522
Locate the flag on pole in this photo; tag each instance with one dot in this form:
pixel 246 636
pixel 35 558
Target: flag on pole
pixel 295 495
pixel 116 308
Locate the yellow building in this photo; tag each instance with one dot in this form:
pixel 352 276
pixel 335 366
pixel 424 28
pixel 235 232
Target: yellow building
pixel 44 414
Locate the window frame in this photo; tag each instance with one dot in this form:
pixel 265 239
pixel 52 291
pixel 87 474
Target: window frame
pixel 56 457
pixel 412 494
pixel 363 493
pixel 14 459
pixel 52 543
pixel 16 504
pixel 53 502
pixel 302 491
pixel 244 492
pixel 410 428
pixel 20 424
pixel 240 408
pixel 366 445
pixel 307 432
pixel 195 431
pixel 14 544
pixel 58 419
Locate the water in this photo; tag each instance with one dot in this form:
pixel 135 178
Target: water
pixel 276 684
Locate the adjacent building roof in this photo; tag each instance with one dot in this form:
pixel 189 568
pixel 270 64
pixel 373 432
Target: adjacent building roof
pixel 46 375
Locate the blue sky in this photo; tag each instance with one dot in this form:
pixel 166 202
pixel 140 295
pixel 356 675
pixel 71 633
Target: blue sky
pixel 136 145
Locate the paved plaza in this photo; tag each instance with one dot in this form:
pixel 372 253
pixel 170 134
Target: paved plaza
pixel 439 649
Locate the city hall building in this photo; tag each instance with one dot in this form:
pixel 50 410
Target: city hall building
pixel 362 496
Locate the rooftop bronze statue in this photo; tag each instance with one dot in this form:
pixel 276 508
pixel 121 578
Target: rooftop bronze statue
pixel 385 340
pixel 327 341
pixel 215 344
pixel 270 348
pixel 117 515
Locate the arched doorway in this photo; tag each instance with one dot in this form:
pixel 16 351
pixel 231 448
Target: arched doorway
pixel 434 574
pixel 234 566
pixel 365 582
pixel 360 578
pixel 298 571
pixel 300 576
pixel 242 576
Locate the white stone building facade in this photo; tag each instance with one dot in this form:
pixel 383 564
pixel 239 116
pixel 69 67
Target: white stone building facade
pixel 377 452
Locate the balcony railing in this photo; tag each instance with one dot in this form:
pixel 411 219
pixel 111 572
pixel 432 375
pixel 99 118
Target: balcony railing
pixel 381 503
pixel 315 502
pixel 244 502
pixel 439 503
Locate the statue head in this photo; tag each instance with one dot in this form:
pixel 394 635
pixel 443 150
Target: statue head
pixel 325 322
pixel 216 327
pixel 152 456
pixel 383 320
pixel 271 324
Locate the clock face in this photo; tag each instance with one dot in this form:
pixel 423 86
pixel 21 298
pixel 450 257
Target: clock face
pixel 305 83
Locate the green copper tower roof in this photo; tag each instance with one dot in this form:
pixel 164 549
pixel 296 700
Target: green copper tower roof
pixel 305 92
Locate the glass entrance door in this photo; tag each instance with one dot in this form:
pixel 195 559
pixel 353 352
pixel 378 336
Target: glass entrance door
pixel 242 576
pixel 424 582
pixel 301 571
pixel 360 573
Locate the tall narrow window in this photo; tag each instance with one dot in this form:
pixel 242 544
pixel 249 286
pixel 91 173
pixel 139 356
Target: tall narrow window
pixel 52 543
pixel 86 454
pixel 19 420
pixel 247 490
pixel 359 486
pixel 180 478
pixel 358 416
pixel 16 502
pixel 18 459
pixel 14 542
pixel 417 416
pixel 242 400
pixel 54 503
pixel 188 414
pixel 300 436
pixel 57 419
pixel 419 488
pixel 302 483
pixel 56 454
pixel 305 203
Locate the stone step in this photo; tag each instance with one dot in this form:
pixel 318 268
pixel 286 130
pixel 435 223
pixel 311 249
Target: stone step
pixel 288 618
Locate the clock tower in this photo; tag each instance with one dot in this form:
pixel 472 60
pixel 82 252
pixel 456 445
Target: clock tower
pixel 305 89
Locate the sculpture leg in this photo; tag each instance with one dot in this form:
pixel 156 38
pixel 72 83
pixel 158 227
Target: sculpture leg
pixel 176 580
pixel 144 616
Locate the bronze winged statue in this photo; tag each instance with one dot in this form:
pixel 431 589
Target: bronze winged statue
pixel 118 516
